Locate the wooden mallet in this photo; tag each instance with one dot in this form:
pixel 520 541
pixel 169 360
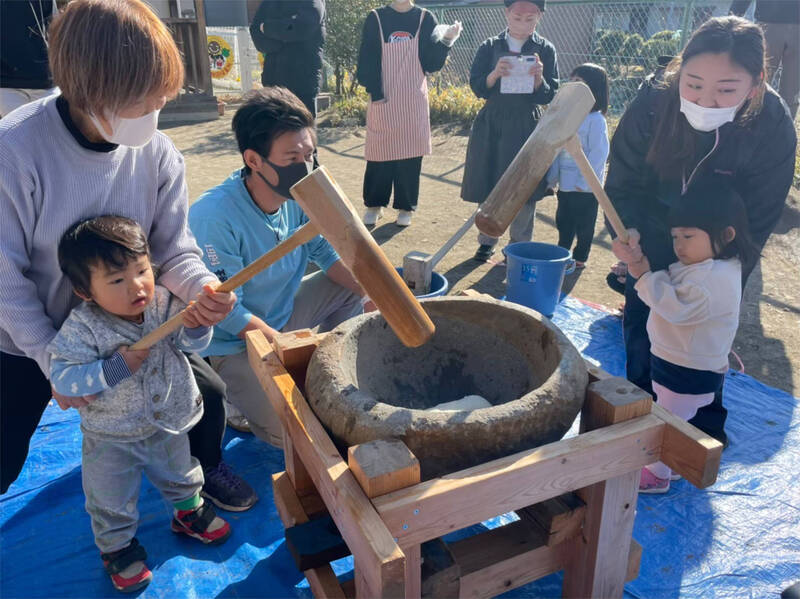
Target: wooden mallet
pixel 573 146
pixel 331 214
pixel 418 266
pixel 560 121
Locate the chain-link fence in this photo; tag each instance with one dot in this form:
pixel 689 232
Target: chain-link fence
pixel 625 37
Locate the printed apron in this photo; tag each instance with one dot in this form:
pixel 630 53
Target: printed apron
pixel 399 127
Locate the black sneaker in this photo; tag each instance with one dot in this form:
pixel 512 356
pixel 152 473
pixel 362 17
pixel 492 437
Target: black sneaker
pixel 484 252
pixel 227 490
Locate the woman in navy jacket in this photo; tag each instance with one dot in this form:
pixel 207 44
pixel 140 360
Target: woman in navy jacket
pixel 711 113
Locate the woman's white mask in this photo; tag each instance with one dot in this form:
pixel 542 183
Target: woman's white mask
pixel 129 132
pixel 708 119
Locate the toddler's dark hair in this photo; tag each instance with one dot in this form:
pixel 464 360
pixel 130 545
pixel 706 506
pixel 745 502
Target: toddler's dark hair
pixel 109 240
pixel 596 78
pixel 711 204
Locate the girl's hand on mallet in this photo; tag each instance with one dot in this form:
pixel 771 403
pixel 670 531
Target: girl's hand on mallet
pixel 628 252
pixel 211 306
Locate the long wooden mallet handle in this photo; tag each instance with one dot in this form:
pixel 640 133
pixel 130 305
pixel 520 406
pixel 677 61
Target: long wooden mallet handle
pixel 325 203
pixel 573 146
pixel 559 122
pixel 303 235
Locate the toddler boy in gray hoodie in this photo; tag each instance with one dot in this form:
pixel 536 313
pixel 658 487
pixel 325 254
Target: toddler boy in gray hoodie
pixel 140 404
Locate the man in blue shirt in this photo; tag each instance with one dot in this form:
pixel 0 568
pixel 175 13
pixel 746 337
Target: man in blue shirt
pixel 249 214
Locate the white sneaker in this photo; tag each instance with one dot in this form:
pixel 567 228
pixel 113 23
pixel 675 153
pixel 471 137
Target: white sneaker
pixel 403 218
pixel 372 215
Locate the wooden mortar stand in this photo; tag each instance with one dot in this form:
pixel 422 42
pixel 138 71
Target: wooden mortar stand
pixel 576 497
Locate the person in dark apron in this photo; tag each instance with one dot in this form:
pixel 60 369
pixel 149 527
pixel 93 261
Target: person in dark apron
pixel 517 72
pixel 400 44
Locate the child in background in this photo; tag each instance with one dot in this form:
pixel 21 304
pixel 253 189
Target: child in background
pixel 577 206
pixel 694 305
pixel 510 114
pixel 146 400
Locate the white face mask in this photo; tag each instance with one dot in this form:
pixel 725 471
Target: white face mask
pixel 707 119
pixel 129 132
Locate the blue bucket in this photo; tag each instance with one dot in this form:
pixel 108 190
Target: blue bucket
pixel 535 273
pixel 439 284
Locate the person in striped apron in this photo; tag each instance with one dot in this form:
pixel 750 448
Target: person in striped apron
pixel 400 44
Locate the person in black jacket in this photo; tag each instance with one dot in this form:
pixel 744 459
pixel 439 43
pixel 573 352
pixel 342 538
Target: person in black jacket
pixel 291 34
pixel 509 116
pixel 781 22
pixel 24 73
pixel 712 114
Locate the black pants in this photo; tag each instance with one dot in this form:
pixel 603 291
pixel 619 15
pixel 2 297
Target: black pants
pixel 709 419
pixel 402 174
pixel 576 215
pixel 25 393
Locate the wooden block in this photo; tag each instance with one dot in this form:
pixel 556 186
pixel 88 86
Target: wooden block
pixel 595 372
pixel 560 518
pixel 315 543
pixel 613 400
pixel 441 574
pixel 382 561
pixel 322 580
pixel 294 350
pixel 688 450
pixel 439 506
pixel 383 466
pixel 634 561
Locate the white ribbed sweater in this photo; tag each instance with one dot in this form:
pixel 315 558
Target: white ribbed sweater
pixel 47 183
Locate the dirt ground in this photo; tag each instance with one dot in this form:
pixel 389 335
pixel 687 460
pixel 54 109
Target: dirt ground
pixel 769 334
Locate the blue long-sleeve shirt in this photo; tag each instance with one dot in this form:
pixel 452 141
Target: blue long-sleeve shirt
pixel 233 231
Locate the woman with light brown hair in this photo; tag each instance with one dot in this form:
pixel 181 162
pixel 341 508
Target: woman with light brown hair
pixel 94 150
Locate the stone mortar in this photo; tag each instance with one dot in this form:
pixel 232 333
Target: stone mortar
pixel 363 384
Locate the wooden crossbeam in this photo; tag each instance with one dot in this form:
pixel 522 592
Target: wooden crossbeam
pixel 436 507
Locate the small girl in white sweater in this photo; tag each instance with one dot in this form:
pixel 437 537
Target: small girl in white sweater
pixel 694 305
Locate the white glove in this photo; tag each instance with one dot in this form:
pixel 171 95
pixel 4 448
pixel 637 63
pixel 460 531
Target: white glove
pixel 447 34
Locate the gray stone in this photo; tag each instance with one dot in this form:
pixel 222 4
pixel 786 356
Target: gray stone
pixel 364 384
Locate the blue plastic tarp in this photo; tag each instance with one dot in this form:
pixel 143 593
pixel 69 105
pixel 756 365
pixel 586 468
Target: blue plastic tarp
pixel 736 539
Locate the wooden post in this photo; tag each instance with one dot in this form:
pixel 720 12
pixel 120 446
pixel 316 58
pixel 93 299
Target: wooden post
pixel 600 564
pixel 381 467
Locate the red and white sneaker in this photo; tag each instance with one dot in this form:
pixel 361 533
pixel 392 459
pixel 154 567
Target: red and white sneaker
pixel 202 524
pixel 650 483
pixel 127 569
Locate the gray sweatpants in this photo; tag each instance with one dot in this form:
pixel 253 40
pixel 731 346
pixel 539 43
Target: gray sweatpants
pixel 319 302
pixel 112 478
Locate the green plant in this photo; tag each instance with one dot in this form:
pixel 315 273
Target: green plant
pixel 448 104
pixel 344 22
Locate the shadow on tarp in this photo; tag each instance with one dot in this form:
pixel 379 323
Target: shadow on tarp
pixel 736 539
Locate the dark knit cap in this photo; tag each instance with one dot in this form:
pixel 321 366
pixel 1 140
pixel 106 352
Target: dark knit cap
pixel 539 3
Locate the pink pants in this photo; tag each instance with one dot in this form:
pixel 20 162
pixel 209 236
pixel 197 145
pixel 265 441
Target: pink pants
pixel 683 405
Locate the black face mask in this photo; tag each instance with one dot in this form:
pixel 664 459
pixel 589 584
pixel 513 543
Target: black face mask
pixel 287 176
